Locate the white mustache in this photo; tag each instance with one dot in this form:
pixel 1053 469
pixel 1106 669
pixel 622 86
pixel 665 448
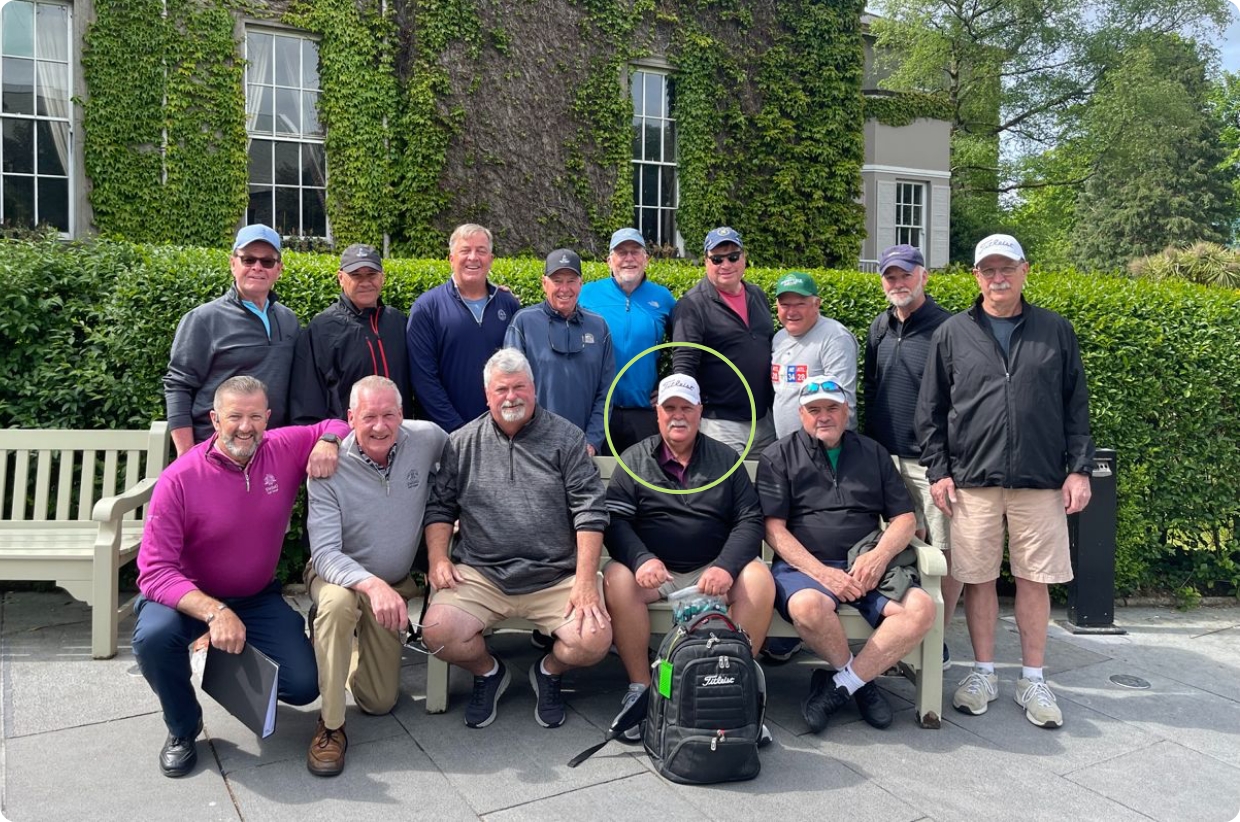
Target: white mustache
pixel 1001 287
pixel 678 424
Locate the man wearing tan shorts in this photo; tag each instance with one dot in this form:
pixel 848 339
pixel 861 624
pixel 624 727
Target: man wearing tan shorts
pixel 1003 417
pixel 531 510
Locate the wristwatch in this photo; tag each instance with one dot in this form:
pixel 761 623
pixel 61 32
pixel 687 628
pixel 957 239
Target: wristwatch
pixel 332 438
pixel 211 616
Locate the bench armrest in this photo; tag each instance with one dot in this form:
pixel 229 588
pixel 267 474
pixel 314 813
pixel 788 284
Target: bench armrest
pixel 930 562
pixel 110 508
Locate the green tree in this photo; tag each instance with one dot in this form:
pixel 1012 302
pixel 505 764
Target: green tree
pixel 1224 104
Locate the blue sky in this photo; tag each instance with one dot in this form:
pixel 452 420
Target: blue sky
pixel 1229 48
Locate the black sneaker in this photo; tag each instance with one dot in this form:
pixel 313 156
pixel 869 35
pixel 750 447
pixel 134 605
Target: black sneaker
pixel 481 709
pixel 179 754
pixel 779 650
pixel 549 702
pixel 541 641
pixel 824 699
pixel 873 705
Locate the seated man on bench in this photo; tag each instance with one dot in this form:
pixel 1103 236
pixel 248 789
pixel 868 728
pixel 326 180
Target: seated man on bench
pixel 663 542
pixel 824 490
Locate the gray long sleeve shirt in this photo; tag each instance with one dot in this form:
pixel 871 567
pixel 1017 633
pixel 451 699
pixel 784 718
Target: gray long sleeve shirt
pixel 520 501
pixel 362 524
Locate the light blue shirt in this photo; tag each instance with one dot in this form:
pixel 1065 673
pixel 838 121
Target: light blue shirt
pixel 261 313
pixel 637 321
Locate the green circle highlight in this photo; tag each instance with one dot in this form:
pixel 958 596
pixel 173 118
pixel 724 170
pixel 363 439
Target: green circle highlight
pixel 753 418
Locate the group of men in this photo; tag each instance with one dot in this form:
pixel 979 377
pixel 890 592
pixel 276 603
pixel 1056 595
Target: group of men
pixel 972 421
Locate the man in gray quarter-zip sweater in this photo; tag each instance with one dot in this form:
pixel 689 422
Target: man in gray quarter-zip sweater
pixel 365 522
pixel 532 513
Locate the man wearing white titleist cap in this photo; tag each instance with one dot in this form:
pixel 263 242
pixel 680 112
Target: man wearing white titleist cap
pixel 1003 419
pixel 661 542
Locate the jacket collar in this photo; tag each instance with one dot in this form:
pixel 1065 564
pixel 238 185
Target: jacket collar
pixel 235 295
pixel 347 304
pixel 551 313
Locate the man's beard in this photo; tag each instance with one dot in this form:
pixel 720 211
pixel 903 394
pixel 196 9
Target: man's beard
pixel 512 412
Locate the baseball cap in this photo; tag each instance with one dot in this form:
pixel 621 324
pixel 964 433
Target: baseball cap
pixel 254 233
pixel 823 388
pixel 904 256
pixel 679 385
pixel 797 282
pixel 722 235
pixel 562 259
pixel 626 235
pixel 1002 244
pixel 360 255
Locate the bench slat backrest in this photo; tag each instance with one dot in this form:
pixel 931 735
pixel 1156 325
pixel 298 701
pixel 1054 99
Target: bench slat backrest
pixel 67 480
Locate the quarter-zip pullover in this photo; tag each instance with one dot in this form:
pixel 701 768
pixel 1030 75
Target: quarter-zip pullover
pixel 637 322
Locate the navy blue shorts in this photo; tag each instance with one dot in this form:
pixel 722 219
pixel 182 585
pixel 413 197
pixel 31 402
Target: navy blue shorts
pixel 789 581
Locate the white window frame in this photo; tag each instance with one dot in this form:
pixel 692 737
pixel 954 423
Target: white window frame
pixel 68 158
pixel 293 134
pixel 643 201
pixel 909 219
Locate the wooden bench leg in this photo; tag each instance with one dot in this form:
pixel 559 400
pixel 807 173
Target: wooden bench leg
pixel 104 585
pixel 930 670
pixel 436 685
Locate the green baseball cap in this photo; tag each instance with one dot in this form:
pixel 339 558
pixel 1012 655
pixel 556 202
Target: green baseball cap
pixel 797 282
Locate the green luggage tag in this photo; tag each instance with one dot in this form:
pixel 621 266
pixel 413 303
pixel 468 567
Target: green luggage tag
pixel 665 679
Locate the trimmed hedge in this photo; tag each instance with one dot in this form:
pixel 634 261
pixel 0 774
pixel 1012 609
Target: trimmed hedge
pixel 86 329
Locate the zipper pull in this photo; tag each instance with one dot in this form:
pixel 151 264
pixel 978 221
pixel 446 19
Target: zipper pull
pixel 387 487
pixel 245 472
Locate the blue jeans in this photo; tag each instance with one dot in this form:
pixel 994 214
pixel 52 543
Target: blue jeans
pixel 162 637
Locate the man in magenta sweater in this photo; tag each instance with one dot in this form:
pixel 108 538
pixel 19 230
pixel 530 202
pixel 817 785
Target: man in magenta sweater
pixel 207 564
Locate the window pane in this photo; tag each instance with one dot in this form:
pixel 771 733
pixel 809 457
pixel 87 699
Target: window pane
pixel 654 95
pixel 650 225
pixel 53 99
pixel 53 150
pixel 17 28
pixel 19 146
pixel 18 200
pixel 314 212
pixel 258 53
pixel 288 206
pixel 313 172
pixel 259 209
pixel 636 83
pixel 637 138
pixel 667 226
pixel 637 185
pixel 54 202
pixel 653 141
pixel 258 109
pixel 288 164
pixel 288 111
pixel 18 92
pixel 650 185
pixel 309 64
pixel 260 162
pixel 309 112
pixel 53 29
pixel 667 188
pixel 669 102
pixel 669 142
pixel 288 61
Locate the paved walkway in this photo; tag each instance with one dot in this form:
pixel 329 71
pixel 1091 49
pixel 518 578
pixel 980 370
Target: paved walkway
pixel 79 739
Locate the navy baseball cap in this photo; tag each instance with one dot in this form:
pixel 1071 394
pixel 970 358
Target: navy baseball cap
pixel 562 259
pixel 904 256
pixel 722 235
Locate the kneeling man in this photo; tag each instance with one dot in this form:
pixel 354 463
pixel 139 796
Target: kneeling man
pixel 663 542
pixel 365 522
pixel 823 490
pixel 532 513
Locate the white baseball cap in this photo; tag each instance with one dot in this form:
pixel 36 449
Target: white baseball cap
pixel 1004 245
pixel 680 385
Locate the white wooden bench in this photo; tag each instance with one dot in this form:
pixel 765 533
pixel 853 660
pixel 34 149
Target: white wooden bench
pixel 67 522
pixel 923 665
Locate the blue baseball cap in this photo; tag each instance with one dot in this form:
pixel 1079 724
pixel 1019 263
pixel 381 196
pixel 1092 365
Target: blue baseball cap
pixel 722 235
pixel 254 233
pixel 902 256
pixel 626 235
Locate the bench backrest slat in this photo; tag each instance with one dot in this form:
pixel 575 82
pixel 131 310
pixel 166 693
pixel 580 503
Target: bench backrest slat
pixel 109 473
pixel 86 485
pixel 64 486
pixel 4 480
pixel 21 479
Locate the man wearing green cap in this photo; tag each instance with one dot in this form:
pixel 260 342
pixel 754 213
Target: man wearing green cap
pixel 809 345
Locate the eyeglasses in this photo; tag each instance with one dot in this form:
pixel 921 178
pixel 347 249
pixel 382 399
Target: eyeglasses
pixel 1008 271
pixel 719 258
pixel 826 386
pixel 414 641
pixel 629 252
pixel 265 262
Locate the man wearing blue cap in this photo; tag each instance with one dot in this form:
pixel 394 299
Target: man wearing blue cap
pixel 728 315
pixel 246 331
pixel 639 314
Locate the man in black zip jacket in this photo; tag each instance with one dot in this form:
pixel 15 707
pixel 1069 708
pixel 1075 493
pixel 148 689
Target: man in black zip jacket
pixel 728 315
pixel 1003 418
pixel 357 336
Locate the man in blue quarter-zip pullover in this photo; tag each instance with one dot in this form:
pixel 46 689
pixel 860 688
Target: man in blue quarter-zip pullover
pixel 454 328
pixel 638 312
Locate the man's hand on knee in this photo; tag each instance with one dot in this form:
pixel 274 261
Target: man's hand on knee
pixel 390 609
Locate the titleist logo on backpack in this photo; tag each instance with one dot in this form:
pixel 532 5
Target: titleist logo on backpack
pixel 718 679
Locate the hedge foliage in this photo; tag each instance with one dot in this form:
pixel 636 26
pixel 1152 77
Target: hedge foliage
pixel 85 330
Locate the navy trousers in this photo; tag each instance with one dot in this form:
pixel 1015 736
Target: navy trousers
pixel 162 637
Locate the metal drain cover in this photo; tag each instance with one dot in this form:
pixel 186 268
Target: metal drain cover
pixel 1129 681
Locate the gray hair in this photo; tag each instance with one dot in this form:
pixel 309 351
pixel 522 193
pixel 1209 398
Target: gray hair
pixel 242 386
pixel 506 361
pixel 468 230
pixel 373 383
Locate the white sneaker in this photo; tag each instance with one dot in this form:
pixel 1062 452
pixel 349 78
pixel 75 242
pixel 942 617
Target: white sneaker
pixel 1035 696
pixel 976 692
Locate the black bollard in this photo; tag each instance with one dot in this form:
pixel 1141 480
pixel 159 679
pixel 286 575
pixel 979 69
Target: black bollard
pixel 1091 539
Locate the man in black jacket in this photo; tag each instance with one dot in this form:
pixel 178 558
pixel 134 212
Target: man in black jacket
pixel 1003 418
pixel 355 337
pixel 728 315
pixel 662 542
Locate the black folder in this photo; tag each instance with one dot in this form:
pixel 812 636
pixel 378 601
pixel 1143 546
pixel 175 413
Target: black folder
pixel 245 684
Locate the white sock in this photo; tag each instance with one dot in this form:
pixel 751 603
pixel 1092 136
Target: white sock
pixel 848 678
pixel 542 666
pixel 985 667
pixel 494 668
pixel 1034 674
pixel 637 686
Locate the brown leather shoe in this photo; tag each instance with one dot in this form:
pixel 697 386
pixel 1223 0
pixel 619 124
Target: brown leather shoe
pixel 326 754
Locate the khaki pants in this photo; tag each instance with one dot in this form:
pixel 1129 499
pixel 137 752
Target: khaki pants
pixel 370 666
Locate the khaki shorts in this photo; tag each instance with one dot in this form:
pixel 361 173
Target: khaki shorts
pixel 1037 529
pixel 929 517
pixel 681 580
pixel 482 599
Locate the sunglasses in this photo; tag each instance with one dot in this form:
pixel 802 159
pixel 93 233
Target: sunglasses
pixel 719 258
pixel 265 262
pixel 825 386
